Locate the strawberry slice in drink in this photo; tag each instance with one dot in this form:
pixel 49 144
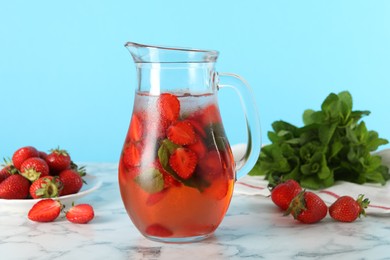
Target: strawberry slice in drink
pixel 181 133
pixel 169 106
pixel 183 161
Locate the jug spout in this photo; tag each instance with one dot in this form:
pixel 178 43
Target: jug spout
pixel 143 53
pixel 168 69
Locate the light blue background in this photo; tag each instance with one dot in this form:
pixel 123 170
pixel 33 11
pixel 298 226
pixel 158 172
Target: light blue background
pixel 66 78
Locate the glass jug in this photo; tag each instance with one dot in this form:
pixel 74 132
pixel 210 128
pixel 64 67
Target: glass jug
pixel 177 171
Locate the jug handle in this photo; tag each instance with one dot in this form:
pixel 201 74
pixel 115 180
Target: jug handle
pixel 248 159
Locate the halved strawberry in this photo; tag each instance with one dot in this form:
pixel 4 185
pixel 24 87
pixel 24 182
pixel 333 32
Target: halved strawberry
pixel 198 147
pixel 218 189
pixel 183 161
pixel 211 115
pixel 169 181
pixel 136 128
pixel 169 106
pixel 80 214
pixel 196 122
pixel 156 197
pixel 132 155
pixel 46 210
pixel 181 133
pixel 211 165
pixel 158 230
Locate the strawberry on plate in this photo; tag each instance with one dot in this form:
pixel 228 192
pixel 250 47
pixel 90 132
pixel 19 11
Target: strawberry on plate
pixel 33 168
pixel 58 160
pixel 6 171
pixel 71 180
pixel 283 193
pixel 183 161
pixel 169 106
pixel 307 207
pixel 23 154
pixel 46 187
pixel 80 214
pixel 14 187
pixel 46 210
pixel 348 209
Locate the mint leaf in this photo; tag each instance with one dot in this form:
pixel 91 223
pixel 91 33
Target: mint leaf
pixel 150 180
pixel 333 144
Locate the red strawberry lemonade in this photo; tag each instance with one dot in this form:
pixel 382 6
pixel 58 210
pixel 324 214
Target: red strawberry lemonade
pixel 176 171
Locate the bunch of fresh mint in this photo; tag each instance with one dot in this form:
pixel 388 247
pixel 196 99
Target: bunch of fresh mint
pixel 332 145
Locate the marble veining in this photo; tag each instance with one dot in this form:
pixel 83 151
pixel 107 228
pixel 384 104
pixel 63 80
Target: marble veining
pixel 252 229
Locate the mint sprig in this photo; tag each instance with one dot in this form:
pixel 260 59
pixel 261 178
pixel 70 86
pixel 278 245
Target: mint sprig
pixel 333 144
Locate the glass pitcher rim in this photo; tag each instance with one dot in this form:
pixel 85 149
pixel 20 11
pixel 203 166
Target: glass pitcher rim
pixel 183 54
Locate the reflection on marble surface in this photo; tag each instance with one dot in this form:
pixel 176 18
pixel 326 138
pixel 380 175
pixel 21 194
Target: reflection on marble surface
pixel 253 229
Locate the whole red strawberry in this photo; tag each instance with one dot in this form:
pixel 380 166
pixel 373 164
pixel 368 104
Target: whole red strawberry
pixel 307 207
pixel 33 168
pixel 14 187
pixel 58 160
pixel 80 214
pixel 7 171
pixel 71 180
pixel 347 209
pixel 283 193
pixel 23 154
pixel 46 187
pixel 46 210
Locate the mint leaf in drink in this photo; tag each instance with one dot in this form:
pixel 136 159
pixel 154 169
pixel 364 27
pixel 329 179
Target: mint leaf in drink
pixel 333 144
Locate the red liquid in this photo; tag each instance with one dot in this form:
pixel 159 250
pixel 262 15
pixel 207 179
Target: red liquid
pixel 160 202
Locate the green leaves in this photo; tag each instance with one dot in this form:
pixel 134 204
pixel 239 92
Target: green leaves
pixel 333 144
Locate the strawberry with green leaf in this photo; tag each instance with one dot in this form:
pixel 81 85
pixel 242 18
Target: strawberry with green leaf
pixel 348 209
pixel 307 207
pixel 34 168
pixel 71 180
pixel 58 160
pixel 283 193
pixel 46 187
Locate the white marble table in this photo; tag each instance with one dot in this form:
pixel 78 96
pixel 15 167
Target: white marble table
pixel 253 229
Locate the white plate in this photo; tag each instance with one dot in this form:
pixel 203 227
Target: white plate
pixel 23 206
